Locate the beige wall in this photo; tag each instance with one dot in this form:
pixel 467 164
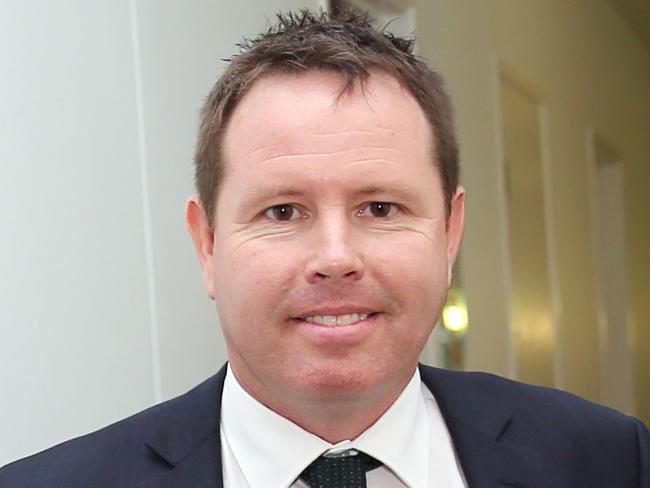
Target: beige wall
pixel 591 74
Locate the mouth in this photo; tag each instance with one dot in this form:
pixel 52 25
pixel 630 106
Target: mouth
pixel 338 320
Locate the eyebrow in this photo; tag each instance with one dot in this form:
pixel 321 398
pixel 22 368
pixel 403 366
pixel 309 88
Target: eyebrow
pixel 393 190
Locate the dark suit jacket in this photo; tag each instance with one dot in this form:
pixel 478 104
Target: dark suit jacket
pixel 505 434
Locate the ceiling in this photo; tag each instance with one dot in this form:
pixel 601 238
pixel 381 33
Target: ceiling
pixel 637 14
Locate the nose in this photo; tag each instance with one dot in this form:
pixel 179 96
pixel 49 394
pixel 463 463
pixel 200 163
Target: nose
pixel 334 256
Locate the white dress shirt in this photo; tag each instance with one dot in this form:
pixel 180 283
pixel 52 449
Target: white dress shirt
pixel 261 449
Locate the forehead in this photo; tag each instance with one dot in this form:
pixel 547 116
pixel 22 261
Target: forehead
pixel 299 112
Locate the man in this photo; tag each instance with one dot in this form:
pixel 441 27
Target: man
pixel 327 223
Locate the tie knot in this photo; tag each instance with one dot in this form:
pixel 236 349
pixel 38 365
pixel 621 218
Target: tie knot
pixel 346 471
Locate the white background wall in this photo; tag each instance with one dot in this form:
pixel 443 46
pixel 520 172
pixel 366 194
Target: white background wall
pixel 102 311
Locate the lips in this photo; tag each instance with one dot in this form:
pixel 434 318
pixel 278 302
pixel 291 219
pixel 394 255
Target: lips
pixel 338 326
pixel 337 320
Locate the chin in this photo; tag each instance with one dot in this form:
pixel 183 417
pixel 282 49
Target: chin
pixel 337 380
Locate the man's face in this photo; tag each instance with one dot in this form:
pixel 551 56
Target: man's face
pixel 331 252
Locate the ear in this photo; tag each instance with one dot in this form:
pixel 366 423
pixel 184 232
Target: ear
pixel 199 228
pixel 454 228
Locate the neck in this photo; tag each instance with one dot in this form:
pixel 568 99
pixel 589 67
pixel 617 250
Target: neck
pixel 334 417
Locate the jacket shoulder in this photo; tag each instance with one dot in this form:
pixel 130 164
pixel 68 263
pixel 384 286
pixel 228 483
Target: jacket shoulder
pixel 569 434
pixel 116 455
pixel 521 398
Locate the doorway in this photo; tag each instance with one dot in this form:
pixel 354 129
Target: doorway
pixel 532 320
pixel 616 368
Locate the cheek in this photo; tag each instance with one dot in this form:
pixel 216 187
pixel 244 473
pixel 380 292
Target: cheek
pixel 249 277
pixel 415 262
pixel 414 271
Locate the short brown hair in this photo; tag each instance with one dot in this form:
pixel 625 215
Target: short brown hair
pixel 343 42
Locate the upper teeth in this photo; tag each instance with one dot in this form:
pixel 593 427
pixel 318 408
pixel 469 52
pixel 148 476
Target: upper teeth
pixel 347 319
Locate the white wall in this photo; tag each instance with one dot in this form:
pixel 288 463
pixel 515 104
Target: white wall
pixel 102 311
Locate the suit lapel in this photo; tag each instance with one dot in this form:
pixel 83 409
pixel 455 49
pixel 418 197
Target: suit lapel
pixel 478 423
pixel 200 469
pixel 190 442
pixel 486 462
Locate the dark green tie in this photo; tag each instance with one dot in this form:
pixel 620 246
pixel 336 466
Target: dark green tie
pixel 346 471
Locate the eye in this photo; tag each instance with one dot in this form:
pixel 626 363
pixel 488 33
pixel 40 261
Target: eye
pixel 379 210
pixel 282 213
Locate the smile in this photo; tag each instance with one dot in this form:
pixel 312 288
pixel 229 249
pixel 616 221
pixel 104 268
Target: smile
pixel 336 320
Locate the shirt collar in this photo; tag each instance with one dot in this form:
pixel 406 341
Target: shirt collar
pixel 273 451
